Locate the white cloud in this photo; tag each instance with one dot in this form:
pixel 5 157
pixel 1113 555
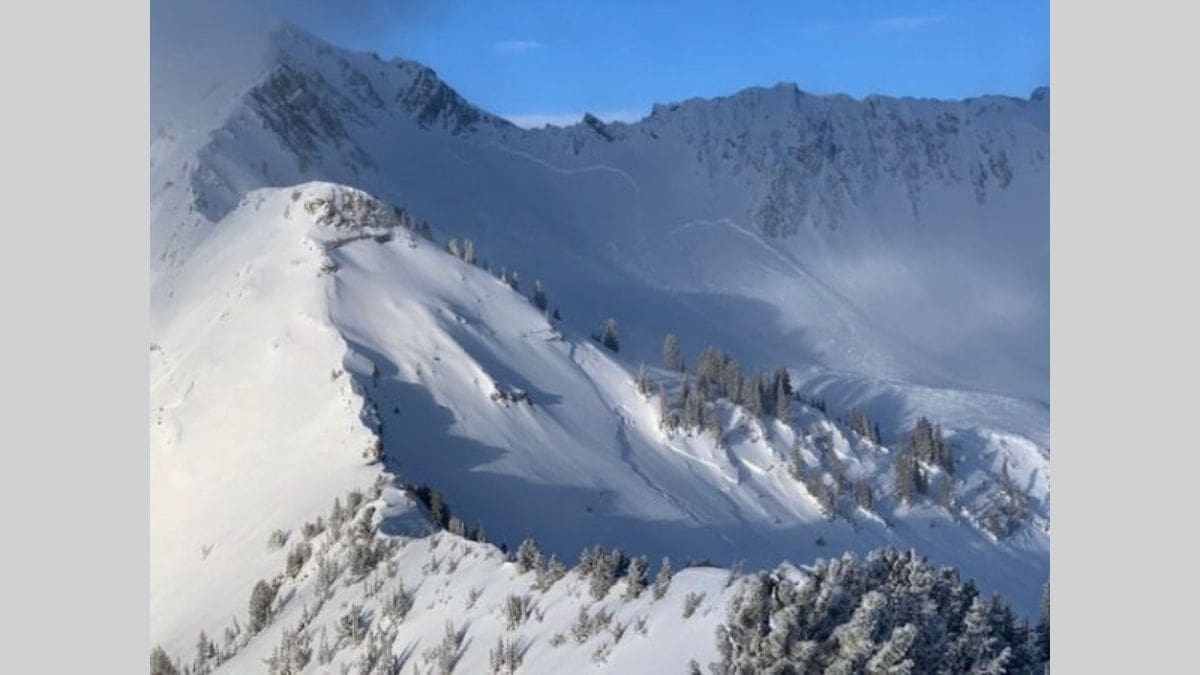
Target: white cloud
pixel 900 24
pixel 539 120
pixel 516 46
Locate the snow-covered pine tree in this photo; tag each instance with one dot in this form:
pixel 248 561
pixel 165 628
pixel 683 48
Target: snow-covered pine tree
pixel 861 424
pixel 160 663
pixel 261 598
pixel 666 416
pixel 1042 632
pixel 662 581
pixel 636 579
pixel 539 295
pixel 752 399
pixel 643 380
pixel 783 398
pixel 796 465
pixel 549 572
pixel 529 558
pixel 672 360
pixel 906 476
pixel 610 335
pixel 863 496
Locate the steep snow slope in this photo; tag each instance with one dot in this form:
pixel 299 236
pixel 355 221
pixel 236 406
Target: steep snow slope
pixel 313 320
pixel 466 586
pixel 249 432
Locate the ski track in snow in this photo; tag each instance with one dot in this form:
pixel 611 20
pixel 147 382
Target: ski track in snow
pixel 570 171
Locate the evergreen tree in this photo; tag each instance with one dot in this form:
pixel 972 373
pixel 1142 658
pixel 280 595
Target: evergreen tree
pixel 672 360
pixel 783 398
pixel 1042 632
pixel 691 405
pixel 551 573
pixel 863 496
pixel 890 657
pixel 261 598
pixel 731 380
pixel 662 581
pixel 469 252
pixel 797 467
pixel 906 476
pixel 643 380
pixel 453 248
pixel 636 579
pixel 206 651
pixel 604 572
pixel 861 424
pixel 710 422
pixel 539 295
pixel 610 335
pixel 666 416
pixel 752 395
pixel 160 663
pixel 528 556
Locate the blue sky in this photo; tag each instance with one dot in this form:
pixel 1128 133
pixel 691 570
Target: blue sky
pixel 536 60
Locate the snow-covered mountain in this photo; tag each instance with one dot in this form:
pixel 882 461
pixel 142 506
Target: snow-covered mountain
pixel 891 253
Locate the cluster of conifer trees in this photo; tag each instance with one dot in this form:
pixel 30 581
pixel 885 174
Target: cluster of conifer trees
pixel 891 612
pixel 717 375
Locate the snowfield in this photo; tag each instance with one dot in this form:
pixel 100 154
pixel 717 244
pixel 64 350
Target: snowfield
pixel 311 336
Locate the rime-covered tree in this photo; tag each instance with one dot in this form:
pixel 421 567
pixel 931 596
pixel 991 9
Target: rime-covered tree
pixel 888 613
pixel 861 424
pixel 636 578
pixel 610 335
pixel 863 496
pixel 672 360
pixel 539 295
pixel 551 572
pixel 752 395
pixel 1006 507
pixel 261 598
pixel 160 663
pixel 352 626
pixel 453 248
pixel 643 380
pixel 692 405
pixel 469 252
pixel 666 416
pixel 731 380
pixel 710 422
pixel 529 558
pixel 907 476
pixel 662 581
pixel 505 657
pixel 1041 641
pixel 796 465
pixel 930 445
pixel 206 651
pixel 607 567
pixel 783 398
